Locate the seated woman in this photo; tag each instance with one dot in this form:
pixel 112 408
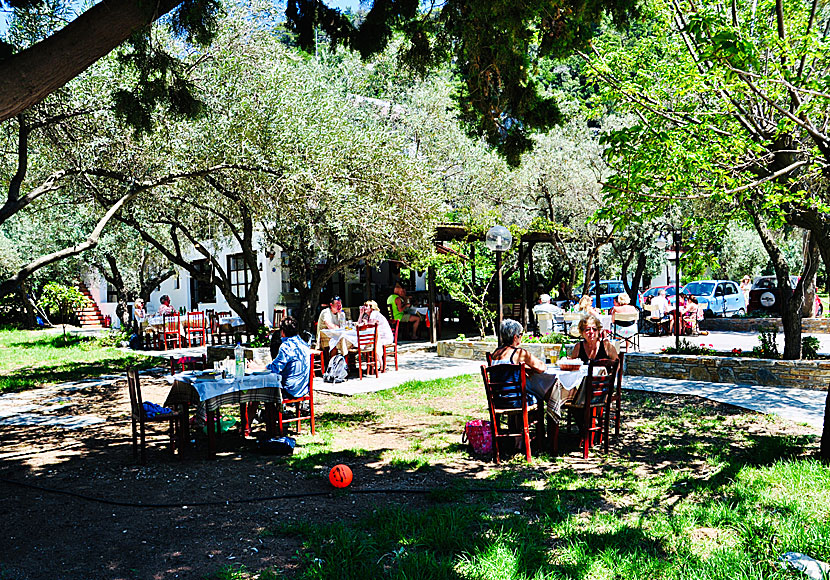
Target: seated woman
pixel 628 328
pixel 591 347
pixel 681 307
pixel 370 314
pixel 690 316
pixel 510 337
pixel 586 306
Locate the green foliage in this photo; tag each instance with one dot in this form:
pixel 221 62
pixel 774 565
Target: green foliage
pixel 60 297
pixel 262 338
pixel 686 347
pixel 550 338
pixel 809 347
pixel 114 337
pixel 768 347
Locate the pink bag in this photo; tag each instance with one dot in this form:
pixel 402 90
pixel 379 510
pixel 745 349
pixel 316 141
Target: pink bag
pixel 480 436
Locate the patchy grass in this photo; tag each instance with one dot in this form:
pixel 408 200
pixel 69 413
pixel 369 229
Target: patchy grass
pixel 34 358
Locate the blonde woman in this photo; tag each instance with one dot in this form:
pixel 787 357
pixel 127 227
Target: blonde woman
pixel 585 306
pixel 592 347
pixel 370 314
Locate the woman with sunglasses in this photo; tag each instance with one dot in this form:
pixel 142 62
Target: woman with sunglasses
pixel 592 347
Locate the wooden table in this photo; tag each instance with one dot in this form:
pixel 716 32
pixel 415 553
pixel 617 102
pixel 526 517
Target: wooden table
pixel 188 389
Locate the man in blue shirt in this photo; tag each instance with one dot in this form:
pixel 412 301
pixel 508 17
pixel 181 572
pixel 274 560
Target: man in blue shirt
pixel 293 362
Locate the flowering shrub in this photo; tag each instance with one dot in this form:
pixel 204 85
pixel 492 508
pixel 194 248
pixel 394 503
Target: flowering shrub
pixel 686 347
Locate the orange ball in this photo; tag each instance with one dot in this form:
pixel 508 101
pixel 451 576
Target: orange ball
pixel 340 475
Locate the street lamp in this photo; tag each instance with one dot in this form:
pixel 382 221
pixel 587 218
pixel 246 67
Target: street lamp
pixel 677 239
pixel 498 240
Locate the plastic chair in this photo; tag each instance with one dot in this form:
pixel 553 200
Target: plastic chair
pixel 367 339
pixel 654 325
pixel 592 404
pixel 625 329
pixel 545 322
pixel 392 347
pixel 507 397
pixel 195 328
pixel 140 419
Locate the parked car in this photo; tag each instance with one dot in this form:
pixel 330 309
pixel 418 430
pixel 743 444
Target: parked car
pixel 608 290
pixel 652 292
pixel 764 296
pixel 717 297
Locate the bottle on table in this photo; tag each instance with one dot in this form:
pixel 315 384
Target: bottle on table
pixel 239 356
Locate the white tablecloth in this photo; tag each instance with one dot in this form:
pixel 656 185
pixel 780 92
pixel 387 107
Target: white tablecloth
pixel 232 320
pixel 208 389
pixel 337 334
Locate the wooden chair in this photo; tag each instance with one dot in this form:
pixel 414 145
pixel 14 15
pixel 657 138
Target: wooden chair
pixel 393 348
pixel 298 402
pixel 210 313
pixel 217 334
pixel 279 314
pixel 194 328
pixel 367 339
pixel 317 364
pixel 140 420
pixel 507 397
pixel 625 329
pixel 614 407
pixel 187 363
pixel 592 404
pixel 171 331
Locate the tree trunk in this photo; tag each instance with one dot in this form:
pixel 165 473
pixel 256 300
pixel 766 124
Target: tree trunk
pixel 114 278
pixel 31 314
pixel 29 76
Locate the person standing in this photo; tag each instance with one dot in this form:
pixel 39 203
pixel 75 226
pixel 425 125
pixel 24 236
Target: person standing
pixel 746 286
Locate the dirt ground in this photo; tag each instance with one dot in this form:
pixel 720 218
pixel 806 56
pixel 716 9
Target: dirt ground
pixel 185 517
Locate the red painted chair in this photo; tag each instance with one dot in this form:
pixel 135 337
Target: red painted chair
pixel 187 363
pixel 194 328
pixel 300 413
pixel 592 405
pixel 392 348
pixel 367 339
pixel 171 331
pixel 507 398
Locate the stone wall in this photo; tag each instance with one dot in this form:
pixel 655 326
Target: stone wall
pixel 811 325
pixel 805 374
pixel 477 350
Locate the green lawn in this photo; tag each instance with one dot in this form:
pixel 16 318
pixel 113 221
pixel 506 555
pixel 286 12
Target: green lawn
pixel 33 358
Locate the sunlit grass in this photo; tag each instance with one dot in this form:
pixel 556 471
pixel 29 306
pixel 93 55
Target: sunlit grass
pixel 34 358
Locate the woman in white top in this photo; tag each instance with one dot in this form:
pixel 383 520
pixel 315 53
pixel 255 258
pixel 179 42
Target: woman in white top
pixel 370 314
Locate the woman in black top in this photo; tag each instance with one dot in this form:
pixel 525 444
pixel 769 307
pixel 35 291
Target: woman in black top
pixel 591 347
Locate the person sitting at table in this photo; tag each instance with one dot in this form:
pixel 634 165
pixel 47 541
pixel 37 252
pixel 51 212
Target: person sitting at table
pixel 510 337
pixel 139 313
pixel 689 316
pixel 586 306
pixel 331 318
pixel 622 305
pixel 400 309
pixel 293 364
pixel 370 314
pixel 546 306
pixel 591 347
pixel 165 307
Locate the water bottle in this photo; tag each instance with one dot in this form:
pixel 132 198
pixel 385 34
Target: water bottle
pixel 239 355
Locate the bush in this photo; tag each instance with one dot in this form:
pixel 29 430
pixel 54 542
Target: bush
pixel 552 338
pixel 114 337
pixel 809 347
pixel 686 347
pixel 768 347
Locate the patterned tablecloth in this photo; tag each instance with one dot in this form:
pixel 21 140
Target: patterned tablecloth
pixel 188 389
pixel 561 385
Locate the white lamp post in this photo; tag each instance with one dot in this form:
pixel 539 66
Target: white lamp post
pixel 498 240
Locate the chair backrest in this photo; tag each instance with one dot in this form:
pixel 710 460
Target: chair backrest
pixel 136 403
pixel 367 336
pixel 598 388
pixel 572 316
pixel 395 325
pixel 489 357
pixel 195 320
pixel 626 317
pixel 261 317
pixel 279 313
pixel 171 322
pixel 545 321
pixel 505 386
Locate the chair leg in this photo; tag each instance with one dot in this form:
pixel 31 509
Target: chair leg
pixel 143 445
pixel 135 440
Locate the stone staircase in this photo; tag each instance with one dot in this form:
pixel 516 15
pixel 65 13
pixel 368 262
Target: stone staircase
pixel 89 316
